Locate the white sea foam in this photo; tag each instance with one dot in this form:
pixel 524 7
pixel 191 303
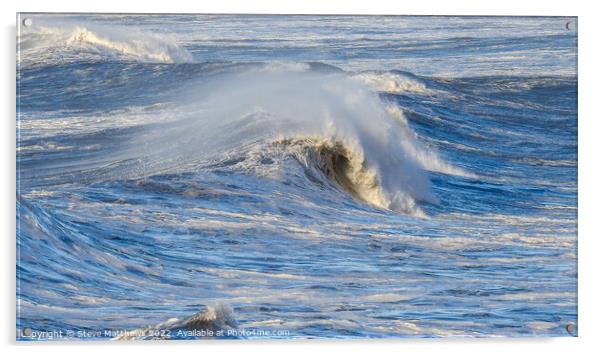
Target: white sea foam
pixel 52 39
pixel 390 82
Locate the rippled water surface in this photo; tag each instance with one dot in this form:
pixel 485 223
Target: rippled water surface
pixel 296 176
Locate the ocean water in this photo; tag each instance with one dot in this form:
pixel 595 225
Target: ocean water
pixel 257 177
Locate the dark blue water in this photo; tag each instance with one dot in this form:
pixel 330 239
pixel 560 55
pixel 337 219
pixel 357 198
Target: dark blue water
pixel 296 177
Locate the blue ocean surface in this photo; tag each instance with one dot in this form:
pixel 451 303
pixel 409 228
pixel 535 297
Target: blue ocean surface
pixel 258 177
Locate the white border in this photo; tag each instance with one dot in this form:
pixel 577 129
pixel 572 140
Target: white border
pixel 374 7
pixel 589 177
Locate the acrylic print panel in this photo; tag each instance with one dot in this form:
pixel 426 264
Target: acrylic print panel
pixel 276 177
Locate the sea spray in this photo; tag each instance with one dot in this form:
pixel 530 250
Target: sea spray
pixel 385 163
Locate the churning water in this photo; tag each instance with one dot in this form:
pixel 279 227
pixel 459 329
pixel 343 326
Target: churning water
pixel 296 176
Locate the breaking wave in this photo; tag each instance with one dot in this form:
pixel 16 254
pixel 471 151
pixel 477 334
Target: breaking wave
pixel 326 120
pixel 52 41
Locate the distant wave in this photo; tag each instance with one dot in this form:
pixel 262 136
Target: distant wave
pixel 391 82
pixel 55 41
